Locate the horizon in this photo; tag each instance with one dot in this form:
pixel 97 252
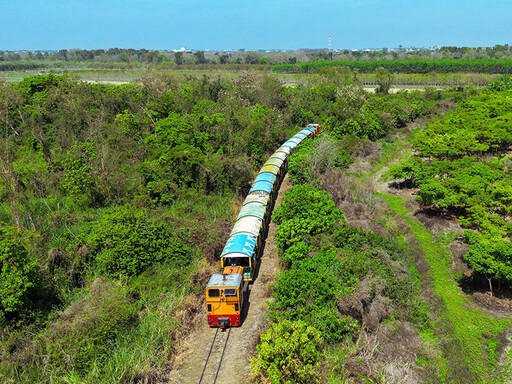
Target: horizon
pixel 273 50
pixel 33 25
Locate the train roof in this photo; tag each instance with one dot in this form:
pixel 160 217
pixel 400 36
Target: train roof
pixel 265 176
pixel 239 245
pixel 290 144
pixel 249 225
pixel 302 134
pixel 255 197
pixel 279 155
pixel 296 140
pixel 229 280
pixel 253 209
pixel 270 168
pixel 262 186
pixel 274 161
pixel 284 149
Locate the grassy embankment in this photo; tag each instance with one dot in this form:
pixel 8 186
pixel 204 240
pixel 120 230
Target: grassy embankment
pixel 477 332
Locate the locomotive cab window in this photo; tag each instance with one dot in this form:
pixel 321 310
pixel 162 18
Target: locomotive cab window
pixel 236 261
pixel 230 292
pixel 213 293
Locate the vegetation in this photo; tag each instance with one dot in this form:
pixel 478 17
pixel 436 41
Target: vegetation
pixel 329 265
pixel 461 167
pixel 289 352
pixel 406 66
pixel 325 263
pixel 116 200
pixel 477 333
pixel 112 197
pixel 18 273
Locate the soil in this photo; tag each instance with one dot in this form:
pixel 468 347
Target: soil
pixel 242 342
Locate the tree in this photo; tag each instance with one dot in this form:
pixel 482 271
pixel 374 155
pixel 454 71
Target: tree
pixel 178 57
pixel 224 59
pixel 123 57
pixel 251 58
pixel 200 57
pixel 62 55
pixel 263 60
pixel 384 78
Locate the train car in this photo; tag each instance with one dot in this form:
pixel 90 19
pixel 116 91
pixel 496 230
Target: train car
pixel 241 250
pixel 244 246
pixel 225 299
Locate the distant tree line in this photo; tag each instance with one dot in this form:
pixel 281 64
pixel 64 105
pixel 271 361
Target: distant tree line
pixel 121 55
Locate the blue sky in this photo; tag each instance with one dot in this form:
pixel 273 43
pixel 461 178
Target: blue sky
pixel 250 24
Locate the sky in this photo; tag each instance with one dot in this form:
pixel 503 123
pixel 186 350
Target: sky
pixel 250 24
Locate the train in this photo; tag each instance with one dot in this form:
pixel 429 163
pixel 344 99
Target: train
pixel 240 256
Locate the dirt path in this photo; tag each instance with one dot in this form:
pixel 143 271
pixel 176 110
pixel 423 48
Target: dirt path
pixel 242 340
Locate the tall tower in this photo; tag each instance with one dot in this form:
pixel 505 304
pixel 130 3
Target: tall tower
pixel 330 48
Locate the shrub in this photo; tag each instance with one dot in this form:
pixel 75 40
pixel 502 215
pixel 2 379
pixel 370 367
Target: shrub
pixel 310 203
pixel 126 242
pixel 79 181
pixel 503 83
pixel 308 292
pixel 290 352
pixel 18 272
pixel 305 211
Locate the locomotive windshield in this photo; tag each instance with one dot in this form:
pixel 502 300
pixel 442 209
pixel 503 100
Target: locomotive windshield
pixel 230 292
pixel 213 293
pixel 236 261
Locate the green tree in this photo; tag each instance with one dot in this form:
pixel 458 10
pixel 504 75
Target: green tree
pixel 384 78
pixel 178 58
pixel 263 60
pixel 200 59
pixel 489 256
pixel 224 59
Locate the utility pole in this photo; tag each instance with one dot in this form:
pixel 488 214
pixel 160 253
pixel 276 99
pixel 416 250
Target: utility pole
pixel 330 48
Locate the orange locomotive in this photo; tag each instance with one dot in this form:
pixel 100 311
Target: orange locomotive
pixel 225 298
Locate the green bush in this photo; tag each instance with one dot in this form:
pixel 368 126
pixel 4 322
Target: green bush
pixel 18 272
pixel 309 290
pixel 126 242
pixel 290 352
pixel 79 180
pixel 503 83
pixel 309 203
pixel 306 211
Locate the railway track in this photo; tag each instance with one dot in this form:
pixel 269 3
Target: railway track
pixel 215 355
